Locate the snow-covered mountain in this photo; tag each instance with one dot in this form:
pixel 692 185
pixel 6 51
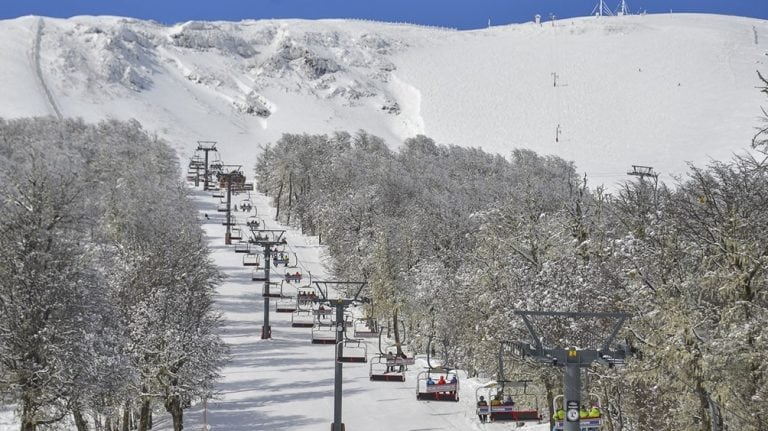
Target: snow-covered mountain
pixel 658 90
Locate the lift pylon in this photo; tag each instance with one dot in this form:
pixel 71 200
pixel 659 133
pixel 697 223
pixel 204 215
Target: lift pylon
pixel 572 358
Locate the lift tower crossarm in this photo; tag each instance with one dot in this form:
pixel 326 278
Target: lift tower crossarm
pixel 572 358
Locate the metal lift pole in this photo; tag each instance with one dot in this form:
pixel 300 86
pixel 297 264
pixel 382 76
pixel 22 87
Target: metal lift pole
pixel 266 330
pixel 337 376
pixel 341 305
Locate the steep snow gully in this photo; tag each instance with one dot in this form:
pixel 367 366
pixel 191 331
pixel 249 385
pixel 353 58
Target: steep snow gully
pixel 39 70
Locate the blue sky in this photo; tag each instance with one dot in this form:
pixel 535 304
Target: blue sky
pixel 463 14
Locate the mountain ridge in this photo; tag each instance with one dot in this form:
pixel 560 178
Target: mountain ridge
pixel 657 90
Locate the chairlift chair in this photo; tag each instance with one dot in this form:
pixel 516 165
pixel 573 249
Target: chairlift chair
pixel 382 370
pixel 274 291
pixel 302 319
pixel 218 193
pixel 355 351
pixel 253 222
pixel 321 335
pixel 305 298
pixel 252 258
pixel 437 392
pixel 293 277
pixel 236 233
pixel 521 411
pixel 321 314
pixel 281 259
pixel 286 304
pixel 222 208
pixel 585 424
pixel 362 328
pixel 232 221
pixel 258 275
pixel 242 247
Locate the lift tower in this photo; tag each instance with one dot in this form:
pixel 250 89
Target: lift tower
pixel 233 173
pixel 267 238
pixel 206 146
pixel 573 358
pixel 340 304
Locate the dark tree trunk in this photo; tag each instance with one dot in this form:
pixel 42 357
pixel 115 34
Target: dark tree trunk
pixel 396 328
pixel 127 416
pixel 27 423
pixel 145 419
pixel 277 201
pixel 173 406
pixel 290 197
pixel 80 422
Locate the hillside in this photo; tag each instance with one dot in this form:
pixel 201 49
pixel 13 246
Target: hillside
pixel 658 90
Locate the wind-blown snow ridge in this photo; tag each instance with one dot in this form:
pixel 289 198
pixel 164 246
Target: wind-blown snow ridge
pixel 657 90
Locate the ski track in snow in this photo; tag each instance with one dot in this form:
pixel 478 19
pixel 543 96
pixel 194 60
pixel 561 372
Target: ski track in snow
pixel 39 70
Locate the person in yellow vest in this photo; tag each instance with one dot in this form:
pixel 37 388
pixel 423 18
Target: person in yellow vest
pixel 583 412
pixel 594 412
pixel 559 415
pixel 495 402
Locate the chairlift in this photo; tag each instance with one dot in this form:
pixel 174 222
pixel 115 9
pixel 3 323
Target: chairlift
pixel 236 233
pixel 274 291
pixel 354 351
pixel 231 222
pixel 286 304
pixel 585 424
pixel 322 313
pixel 383 370
pixel 258 275
pixel 285 259
pixel 321 335
pixel 253 222
pixel 524 406
pixel 246 205
pixel 305 298
pixel 303 319
pixel 296 277
pixel 252 258
pixel 218 193
pixel 222 208
pixel 434 391
pixel 242 247
pixel 364 328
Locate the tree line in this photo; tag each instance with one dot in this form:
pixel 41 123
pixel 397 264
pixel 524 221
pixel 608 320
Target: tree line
pixel 105 281
pixel 453 240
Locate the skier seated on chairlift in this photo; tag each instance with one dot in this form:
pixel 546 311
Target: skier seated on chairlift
pixel 508 401
pixel 321 311
pixel 402 356
pixel 594 412
pixel 559 415
pixel 495 402
pixel 390 358
pixel 482 403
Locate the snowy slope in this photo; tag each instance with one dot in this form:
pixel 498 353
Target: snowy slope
pixel 658 90
pixel 655 90
pixel 286 383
